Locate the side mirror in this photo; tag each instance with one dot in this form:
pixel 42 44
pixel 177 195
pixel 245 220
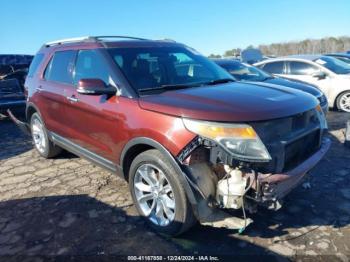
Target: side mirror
pixel 89 86
pixel 319 75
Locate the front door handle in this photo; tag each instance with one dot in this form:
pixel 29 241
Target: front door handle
pixel 39 88
pixel 73 99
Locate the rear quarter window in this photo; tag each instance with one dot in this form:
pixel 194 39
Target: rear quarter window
pixel 60 67
pixel 35 64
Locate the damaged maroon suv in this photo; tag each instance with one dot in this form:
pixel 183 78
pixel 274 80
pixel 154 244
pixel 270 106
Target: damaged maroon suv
pixel 192 143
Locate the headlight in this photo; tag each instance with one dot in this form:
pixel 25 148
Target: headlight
pixel 240 140
pixel 321 117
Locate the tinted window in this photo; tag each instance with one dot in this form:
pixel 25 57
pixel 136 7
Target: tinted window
pixel 90 64
pixel 335 65
pixel 152 67
pixel 274 67
pixel 35 64
pixel 300 68
pixel 344 59
pixel 60 67
pixel 245 72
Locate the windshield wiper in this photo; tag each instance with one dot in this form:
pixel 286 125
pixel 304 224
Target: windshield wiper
pixel 219 81
pixel 166 87
pixel 267 78
pixel 183 86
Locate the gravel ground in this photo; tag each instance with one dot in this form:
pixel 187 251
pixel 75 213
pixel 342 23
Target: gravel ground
pixel 67 206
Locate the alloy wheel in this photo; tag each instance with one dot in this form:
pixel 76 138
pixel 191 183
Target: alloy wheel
pixel 154 195
pixel 344 102
pixel 38 135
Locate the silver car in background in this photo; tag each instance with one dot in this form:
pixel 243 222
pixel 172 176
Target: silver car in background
pixel 330 75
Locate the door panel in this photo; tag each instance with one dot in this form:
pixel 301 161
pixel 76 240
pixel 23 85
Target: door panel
pixel 304 72
pixel 51 105
pixel 92 119
pixel 57 75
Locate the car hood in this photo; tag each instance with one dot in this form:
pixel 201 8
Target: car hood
pixel 295 84
pixel 231 102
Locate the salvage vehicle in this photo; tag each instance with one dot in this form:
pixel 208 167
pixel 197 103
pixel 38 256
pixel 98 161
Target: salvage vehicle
pixel 13 71
pixel 191 141
pixel 245 72
pixel 329 74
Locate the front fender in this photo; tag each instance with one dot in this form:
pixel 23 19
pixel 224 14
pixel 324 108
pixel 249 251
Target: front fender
pixel 177 166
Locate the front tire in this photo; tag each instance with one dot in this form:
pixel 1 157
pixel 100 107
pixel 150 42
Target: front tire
pixel 343 102
pixel 158 193
pixel 41 141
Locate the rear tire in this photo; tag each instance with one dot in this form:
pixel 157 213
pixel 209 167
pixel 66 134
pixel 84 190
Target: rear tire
pixel 159 194
pixel 343 102
pixel 41 141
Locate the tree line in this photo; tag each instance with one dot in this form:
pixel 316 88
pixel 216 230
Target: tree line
pixel 307 46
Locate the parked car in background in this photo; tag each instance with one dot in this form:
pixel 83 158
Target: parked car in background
pixel 251 55
pixel 192 142
pixel 245 72
pixel 329 74
pixel 13 71
pixel 345 57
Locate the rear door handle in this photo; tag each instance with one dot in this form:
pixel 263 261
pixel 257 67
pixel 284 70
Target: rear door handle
pixel 73 99
pixel 39 88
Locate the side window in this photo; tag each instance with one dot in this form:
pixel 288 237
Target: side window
pixel 60 67
pixel 90 64
pixel 35 64
pixel 274 67
pixel 301 68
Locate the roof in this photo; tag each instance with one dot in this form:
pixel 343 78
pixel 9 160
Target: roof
pixel 104 41
pixel 225 60
pixel 291 57
pixel 305 57
pixel 339 54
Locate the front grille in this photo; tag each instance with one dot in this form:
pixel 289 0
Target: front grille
pixel 289 140
pixel 301 149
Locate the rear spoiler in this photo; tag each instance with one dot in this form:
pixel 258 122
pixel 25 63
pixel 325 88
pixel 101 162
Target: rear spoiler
pixel 22 125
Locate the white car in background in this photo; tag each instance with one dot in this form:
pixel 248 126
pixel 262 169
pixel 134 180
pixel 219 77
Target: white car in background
pixel 330 75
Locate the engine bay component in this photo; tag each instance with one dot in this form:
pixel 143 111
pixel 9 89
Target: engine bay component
pixel 231 189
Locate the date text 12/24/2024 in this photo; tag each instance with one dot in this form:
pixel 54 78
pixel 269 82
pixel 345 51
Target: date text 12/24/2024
pixel 173 258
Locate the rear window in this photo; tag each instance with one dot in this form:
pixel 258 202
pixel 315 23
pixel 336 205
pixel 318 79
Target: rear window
pixel 35 64
pixel 274 67
pixel 60 67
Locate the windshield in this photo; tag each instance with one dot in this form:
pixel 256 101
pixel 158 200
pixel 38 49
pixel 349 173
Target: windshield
pixel 154 67
pixel 335 65
pixel 244 72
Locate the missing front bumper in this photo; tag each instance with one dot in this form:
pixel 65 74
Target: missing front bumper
pixel 275 186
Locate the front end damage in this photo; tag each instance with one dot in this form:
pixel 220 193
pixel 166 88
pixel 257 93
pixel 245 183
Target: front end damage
pixel 224 183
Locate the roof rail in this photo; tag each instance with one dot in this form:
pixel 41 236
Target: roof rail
pixel 68 40
pixel 118 36
pixel 89 38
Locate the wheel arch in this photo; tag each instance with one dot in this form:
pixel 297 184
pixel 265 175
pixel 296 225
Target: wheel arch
pixel 141 144
pixel 30 110
pixel 335 103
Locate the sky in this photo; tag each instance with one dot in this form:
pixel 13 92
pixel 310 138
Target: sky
pixel 208 26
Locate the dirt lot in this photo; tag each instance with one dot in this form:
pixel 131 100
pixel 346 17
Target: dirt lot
pixel 67 206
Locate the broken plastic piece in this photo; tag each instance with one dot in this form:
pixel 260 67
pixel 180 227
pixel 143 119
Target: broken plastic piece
pixel 347 134
pixel 217 218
